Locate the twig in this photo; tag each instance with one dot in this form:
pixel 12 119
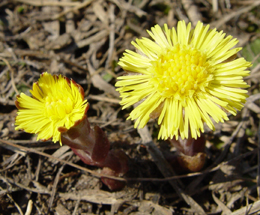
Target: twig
pixel 239 157
pixel 25 149
pixel 128 179
pixel 166 169
pixel 242 131
pixel 56 180
pixel 16 205
pixel 90 195
pixel 219 159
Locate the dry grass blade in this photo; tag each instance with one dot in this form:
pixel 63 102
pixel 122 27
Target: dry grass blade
pixel 16 205
pixel 41 3
pixel 76 207
pixel 100 83
pixel 224 152
pixel 249 209
pixel 73 9
pixel 25 149
pixel 12 75
pixel 225 210
pixel 54 187
pixel 127 6
pixel 29 208
pixel 84 40
pixel 103 98
pixel 192 11
pixel 231 15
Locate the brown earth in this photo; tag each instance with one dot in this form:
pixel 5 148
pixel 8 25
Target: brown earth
pixel 83 40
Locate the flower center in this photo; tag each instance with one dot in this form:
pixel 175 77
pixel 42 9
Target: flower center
pixel 57 108
pixel 180 72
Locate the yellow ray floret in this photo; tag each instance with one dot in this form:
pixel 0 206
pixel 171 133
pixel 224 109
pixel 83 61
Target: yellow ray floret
pixel 56 102
pixel 187 76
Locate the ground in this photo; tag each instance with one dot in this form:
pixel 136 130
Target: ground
pixel 84 40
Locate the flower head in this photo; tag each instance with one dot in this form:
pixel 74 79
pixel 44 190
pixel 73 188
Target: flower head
pixel 56 102
pixel 186 77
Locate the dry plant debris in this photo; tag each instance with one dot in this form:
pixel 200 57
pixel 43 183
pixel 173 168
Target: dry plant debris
pixel 83 40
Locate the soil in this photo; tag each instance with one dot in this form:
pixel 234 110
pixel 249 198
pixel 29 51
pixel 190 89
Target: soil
pixel 84 40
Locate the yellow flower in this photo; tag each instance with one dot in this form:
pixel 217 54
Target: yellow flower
pixel 56 102
pixel 186 77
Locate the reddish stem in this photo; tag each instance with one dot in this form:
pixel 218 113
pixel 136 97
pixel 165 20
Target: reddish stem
pixel 92 146
pixel 190 153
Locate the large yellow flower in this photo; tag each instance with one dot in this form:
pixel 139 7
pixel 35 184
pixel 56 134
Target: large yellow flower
pixel 56 102
pixel 185 77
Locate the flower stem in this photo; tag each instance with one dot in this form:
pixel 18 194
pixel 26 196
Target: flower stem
pixel 93 148
pixel 190 153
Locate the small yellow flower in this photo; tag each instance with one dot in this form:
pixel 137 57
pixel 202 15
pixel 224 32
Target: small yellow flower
pixel 186 77
pixel 56 102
